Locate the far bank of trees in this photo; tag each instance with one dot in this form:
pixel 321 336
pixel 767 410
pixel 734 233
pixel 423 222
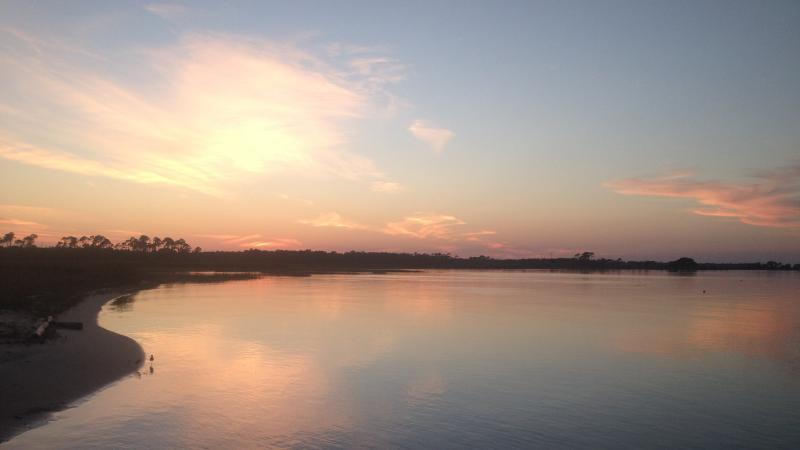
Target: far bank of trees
pixel 142 243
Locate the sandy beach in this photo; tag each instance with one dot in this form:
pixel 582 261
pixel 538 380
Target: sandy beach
pixel 40 379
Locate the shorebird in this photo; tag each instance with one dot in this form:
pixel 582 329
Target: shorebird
pixel 151 358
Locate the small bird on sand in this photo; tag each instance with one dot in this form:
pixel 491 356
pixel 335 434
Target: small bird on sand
pixel 151 358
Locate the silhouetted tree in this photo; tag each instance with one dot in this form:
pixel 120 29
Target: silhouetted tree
pixel 182 247
pixel 130 244
pixel 155 244
pixel 28 241
pixel 100 241
pixel 197 250
pixel 168 244
pixel 68 242
pixel 84 242
pixel 143 243
pixel 585 256
pixel 8 239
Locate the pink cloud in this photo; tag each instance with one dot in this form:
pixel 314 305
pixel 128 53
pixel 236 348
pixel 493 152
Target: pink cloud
pixel 771 199
pixel 252 241
pixel 435 137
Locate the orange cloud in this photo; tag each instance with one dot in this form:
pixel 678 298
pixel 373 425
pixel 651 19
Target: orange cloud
pixel 219 108
pixel 772 200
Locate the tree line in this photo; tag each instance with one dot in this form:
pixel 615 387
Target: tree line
pixel 142 243
pixel 317 260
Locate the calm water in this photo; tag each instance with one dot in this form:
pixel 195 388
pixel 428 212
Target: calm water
pixel 454 359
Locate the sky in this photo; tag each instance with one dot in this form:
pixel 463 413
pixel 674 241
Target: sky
pixel 639 130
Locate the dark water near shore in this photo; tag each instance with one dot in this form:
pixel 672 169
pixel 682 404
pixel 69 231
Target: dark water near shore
pixel 454 359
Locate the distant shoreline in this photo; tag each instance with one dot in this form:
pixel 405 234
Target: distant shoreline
pixel 41 379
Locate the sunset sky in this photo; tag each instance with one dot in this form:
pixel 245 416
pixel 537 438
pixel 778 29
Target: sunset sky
pixel 640 130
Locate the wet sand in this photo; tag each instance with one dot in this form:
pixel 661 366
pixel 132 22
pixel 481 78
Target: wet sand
pixel 40 379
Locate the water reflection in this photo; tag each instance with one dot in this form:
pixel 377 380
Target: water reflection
pixel 730 317
pixel 444 359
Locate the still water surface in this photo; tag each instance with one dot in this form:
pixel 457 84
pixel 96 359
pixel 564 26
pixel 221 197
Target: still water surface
pixel 445 359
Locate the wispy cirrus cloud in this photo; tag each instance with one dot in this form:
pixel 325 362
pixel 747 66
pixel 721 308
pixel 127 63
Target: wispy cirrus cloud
pixel 281 243
pixel 432 226
pixel 435 137
pixel 386 186
pixel 6 221
pixel 251 241
pixel 23 220
pixel 771 199
pixel 332 220
pixel 219 108
pixel 378 71
pixel 167 10
pixel 423 226
pixel 23 217
pixel 122 233
pixel 231 238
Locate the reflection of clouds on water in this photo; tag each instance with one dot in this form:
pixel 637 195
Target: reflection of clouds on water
pixel 766 331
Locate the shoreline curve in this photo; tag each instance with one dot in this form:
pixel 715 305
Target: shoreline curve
pixel 39 380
